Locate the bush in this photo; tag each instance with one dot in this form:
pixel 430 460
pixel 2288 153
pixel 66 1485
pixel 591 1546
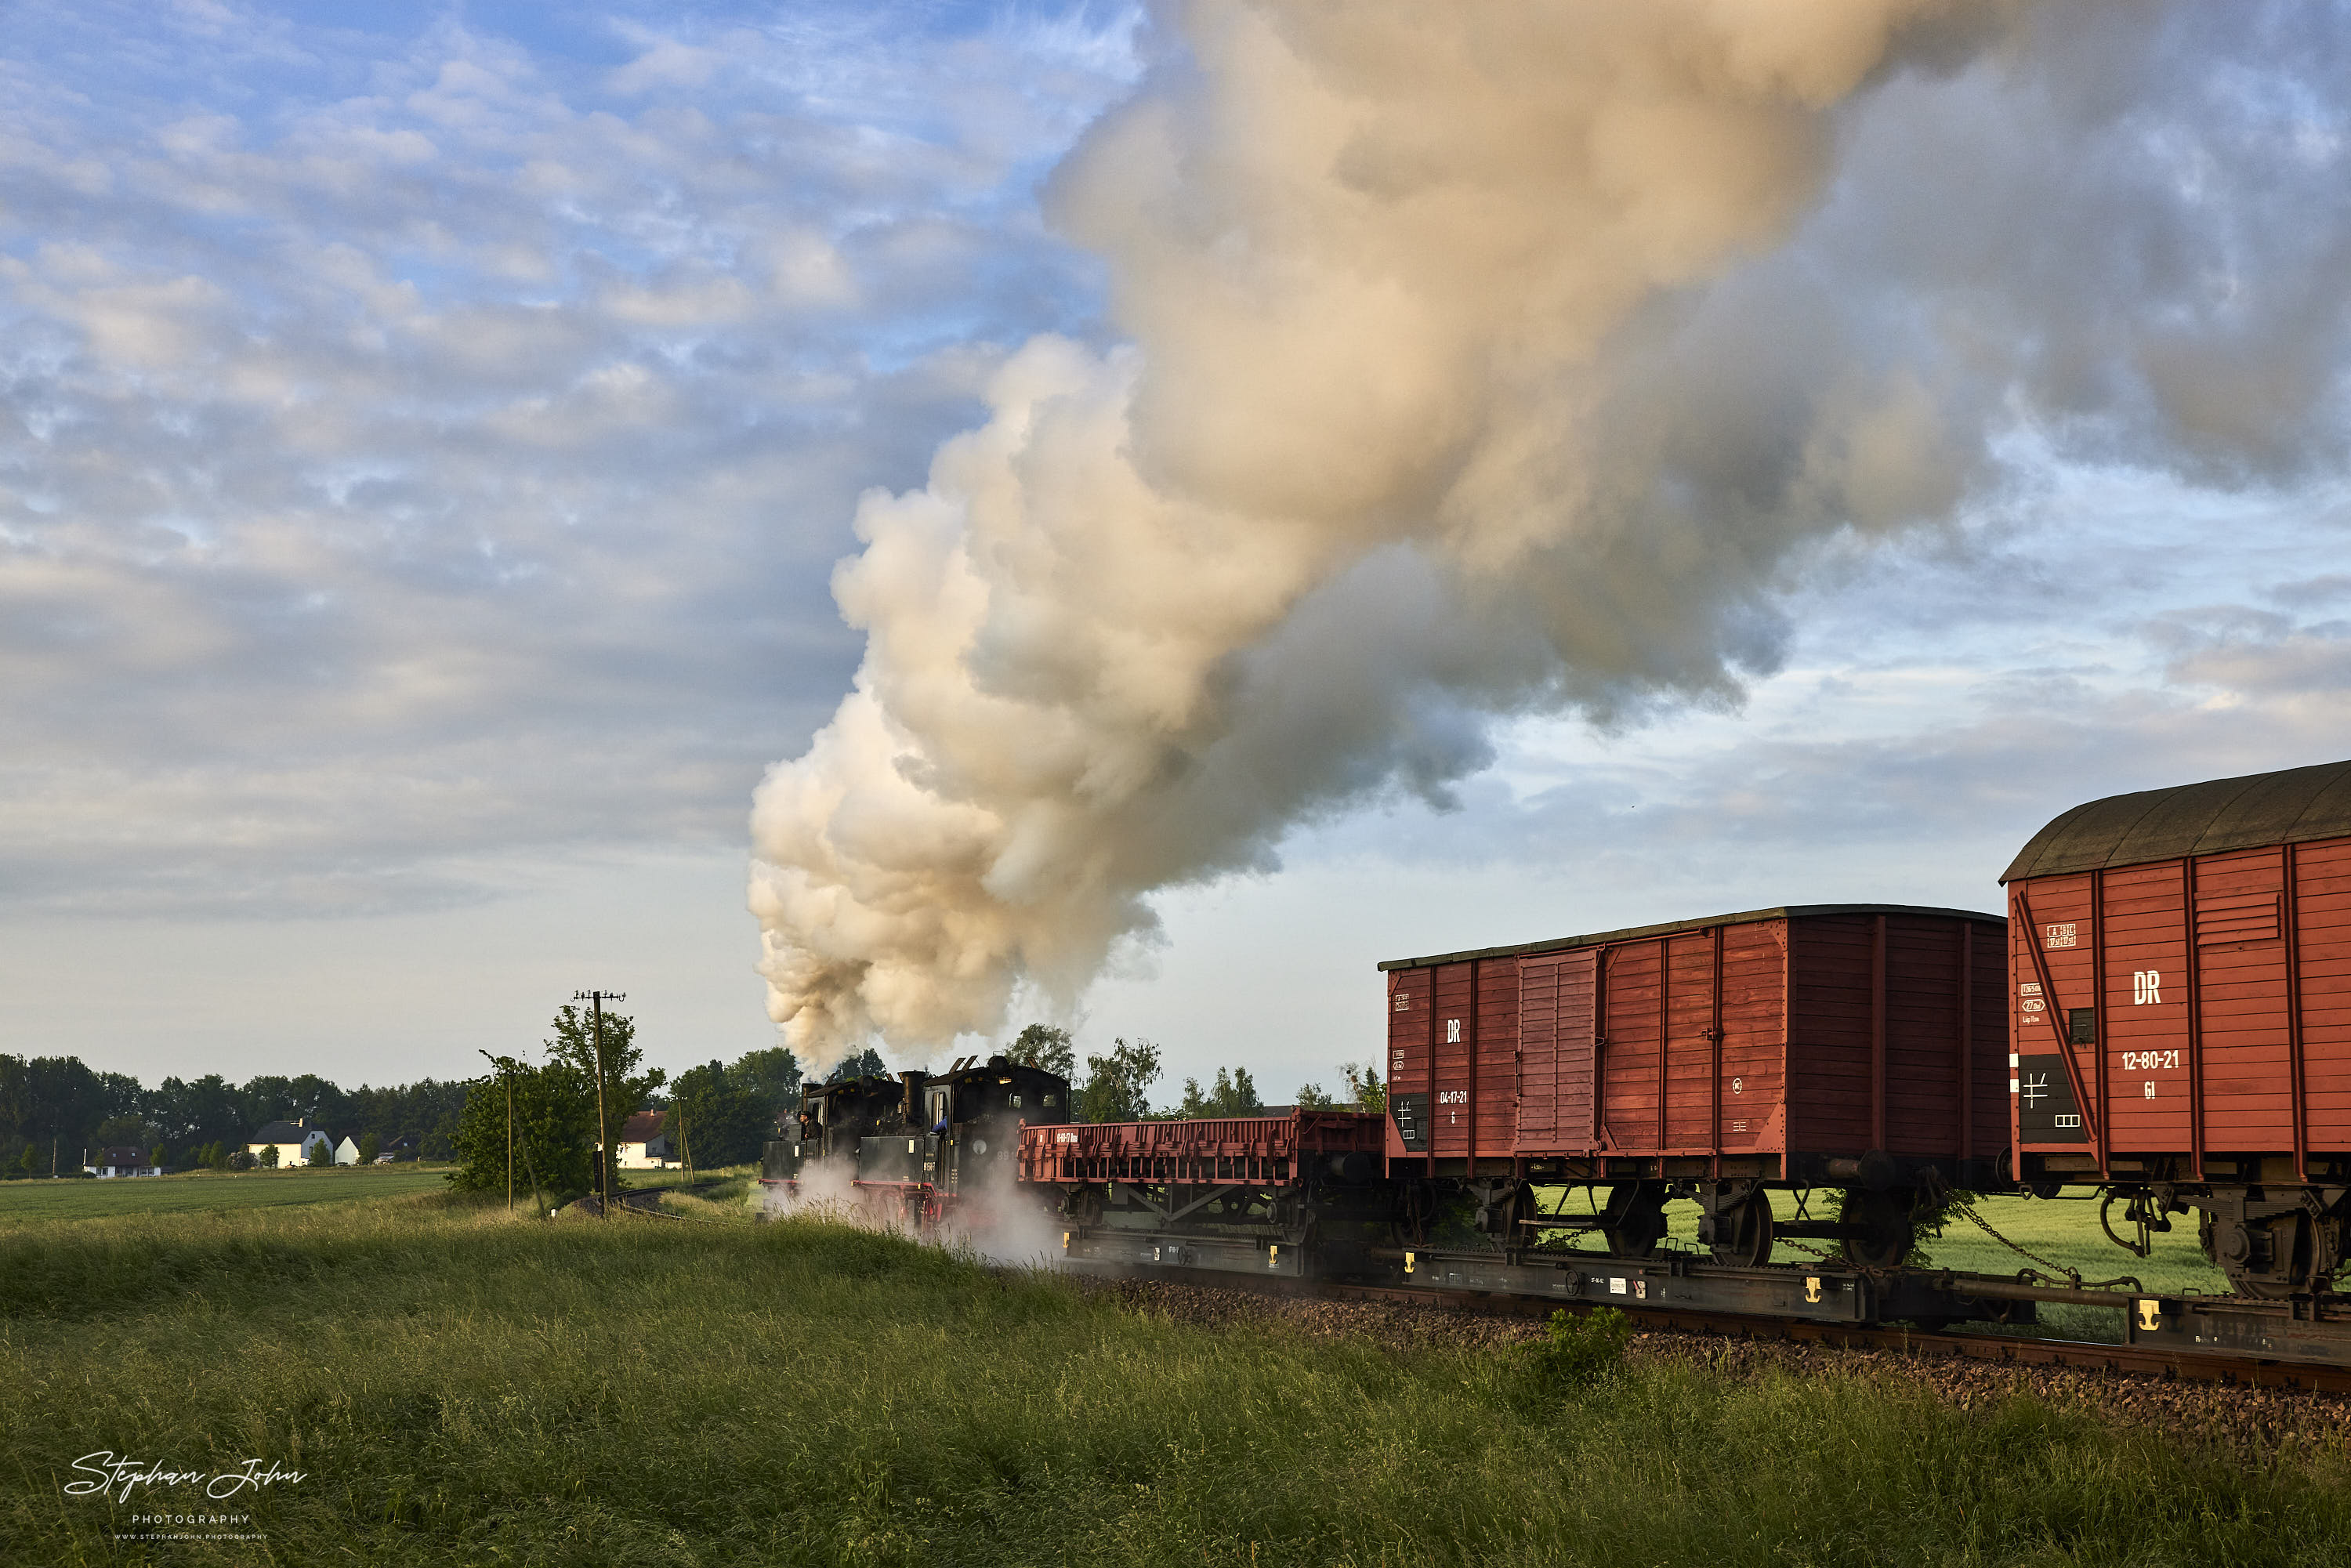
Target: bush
pixel 1580 1350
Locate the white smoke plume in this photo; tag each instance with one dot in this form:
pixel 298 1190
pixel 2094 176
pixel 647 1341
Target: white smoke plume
pixel 997 1219
pixel 1485 359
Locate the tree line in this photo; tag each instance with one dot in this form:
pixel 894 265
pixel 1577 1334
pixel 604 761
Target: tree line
pixel 52 1108
pixel 1116 1085
pixel 57 1106
pixel 720 1112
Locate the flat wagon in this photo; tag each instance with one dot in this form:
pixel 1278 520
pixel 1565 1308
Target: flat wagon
pixel 1852 1047
pixel 1253 1194
pixel 2179 1006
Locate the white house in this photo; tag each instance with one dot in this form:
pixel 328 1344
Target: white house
pixel 347 1153
pixel 123 1161
pixel 292 1140
pixel 644 1145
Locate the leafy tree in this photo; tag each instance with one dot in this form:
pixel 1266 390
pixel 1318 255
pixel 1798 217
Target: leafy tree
pixel 1235 1094
pixel 208 1109
pixel 370 1146
pixel 56 1097
pixel 1043 1045
pixel 554 1130
pixel 268 1156
pixel 319 1153
pixel 867 1063
pixel 271 1098
pixel 1118 1086
pixel 29 1161
pixel 773 1074
pixel 156 1156
pixel 723 1120
pixel 625 1088
pixel 117 1131
pixel 1364 1092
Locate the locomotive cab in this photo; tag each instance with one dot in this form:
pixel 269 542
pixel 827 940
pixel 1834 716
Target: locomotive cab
pixel 780 1159
pixel 974 1114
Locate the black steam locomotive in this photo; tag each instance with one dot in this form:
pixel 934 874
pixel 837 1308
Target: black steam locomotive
pixel 917 1145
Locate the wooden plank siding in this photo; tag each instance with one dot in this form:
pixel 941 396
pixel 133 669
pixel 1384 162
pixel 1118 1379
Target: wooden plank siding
pixel 1885 1030
pixel 2322 917
pixel 2210 975
pixel 1495 1092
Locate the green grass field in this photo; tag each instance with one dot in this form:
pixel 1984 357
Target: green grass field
pixel 22 1201
pixel 458 1387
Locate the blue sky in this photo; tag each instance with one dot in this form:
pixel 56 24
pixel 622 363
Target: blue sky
pixel 426 440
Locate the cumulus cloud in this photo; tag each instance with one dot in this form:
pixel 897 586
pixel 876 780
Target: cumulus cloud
pixel 419 445
pixel 1487 362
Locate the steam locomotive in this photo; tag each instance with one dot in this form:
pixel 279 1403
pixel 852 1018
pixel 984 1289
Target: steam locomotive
pixel 917 1147
pixel 2163 1018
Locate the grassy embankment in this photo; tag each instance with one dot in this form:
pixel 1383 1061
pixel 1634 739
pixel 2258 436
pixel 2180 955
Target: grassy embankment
pixel 457 1387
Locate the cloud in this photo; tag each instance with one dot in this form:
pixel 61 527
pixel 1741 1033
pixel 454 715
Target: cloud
pixel 1493 363
pixel 423 444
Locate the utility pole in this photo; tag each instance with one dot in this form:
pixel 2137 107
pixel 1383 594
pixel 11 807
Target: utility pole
pixel 505 1072
pixel 604 1121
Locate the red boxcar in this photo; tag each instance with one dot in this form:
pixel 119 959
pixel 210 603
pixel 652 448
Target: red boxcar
pixel 2181 974
pixel 1764 1044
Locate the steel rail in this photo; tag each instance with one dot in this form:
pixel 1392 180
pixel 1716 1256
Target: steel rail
pixel 1999 1348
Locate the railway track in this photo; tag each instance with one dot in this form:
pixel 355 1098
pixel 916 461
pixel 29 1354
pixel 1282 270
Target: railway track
pixel 2008 1349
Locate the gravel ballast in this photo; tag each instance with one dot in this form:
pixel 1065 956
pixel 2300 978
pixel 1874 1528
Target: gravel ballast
pixel 2255 1423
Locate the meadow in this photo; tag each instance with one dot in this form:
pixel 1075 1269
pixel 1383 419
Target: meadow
pixel 39 1200
pixel 454 1385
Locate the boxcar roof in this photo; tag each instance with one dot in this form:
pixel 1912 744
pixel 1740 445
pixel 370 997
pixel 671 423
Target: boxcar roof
pixel 1668 928
pixel 2290 807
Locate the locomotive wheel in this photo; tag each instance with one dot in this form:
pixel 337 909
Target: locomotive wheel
pixel 1743 1232
pixel 1634 1218
pixel 1885 1220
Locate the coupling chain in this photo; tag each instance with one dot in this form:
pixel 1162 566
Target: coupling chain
pixel 2072 1276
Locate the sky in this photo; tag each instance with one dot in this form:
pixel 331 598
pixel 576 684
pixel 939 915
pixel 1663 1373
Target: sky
pixel 428 437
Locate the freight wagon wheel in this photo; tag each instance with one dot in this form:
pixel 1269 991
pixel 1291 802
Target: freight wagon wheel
pixel 1884 1221
pixel 2283 1255
pixel 1743 1232
pixel 1634 1221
